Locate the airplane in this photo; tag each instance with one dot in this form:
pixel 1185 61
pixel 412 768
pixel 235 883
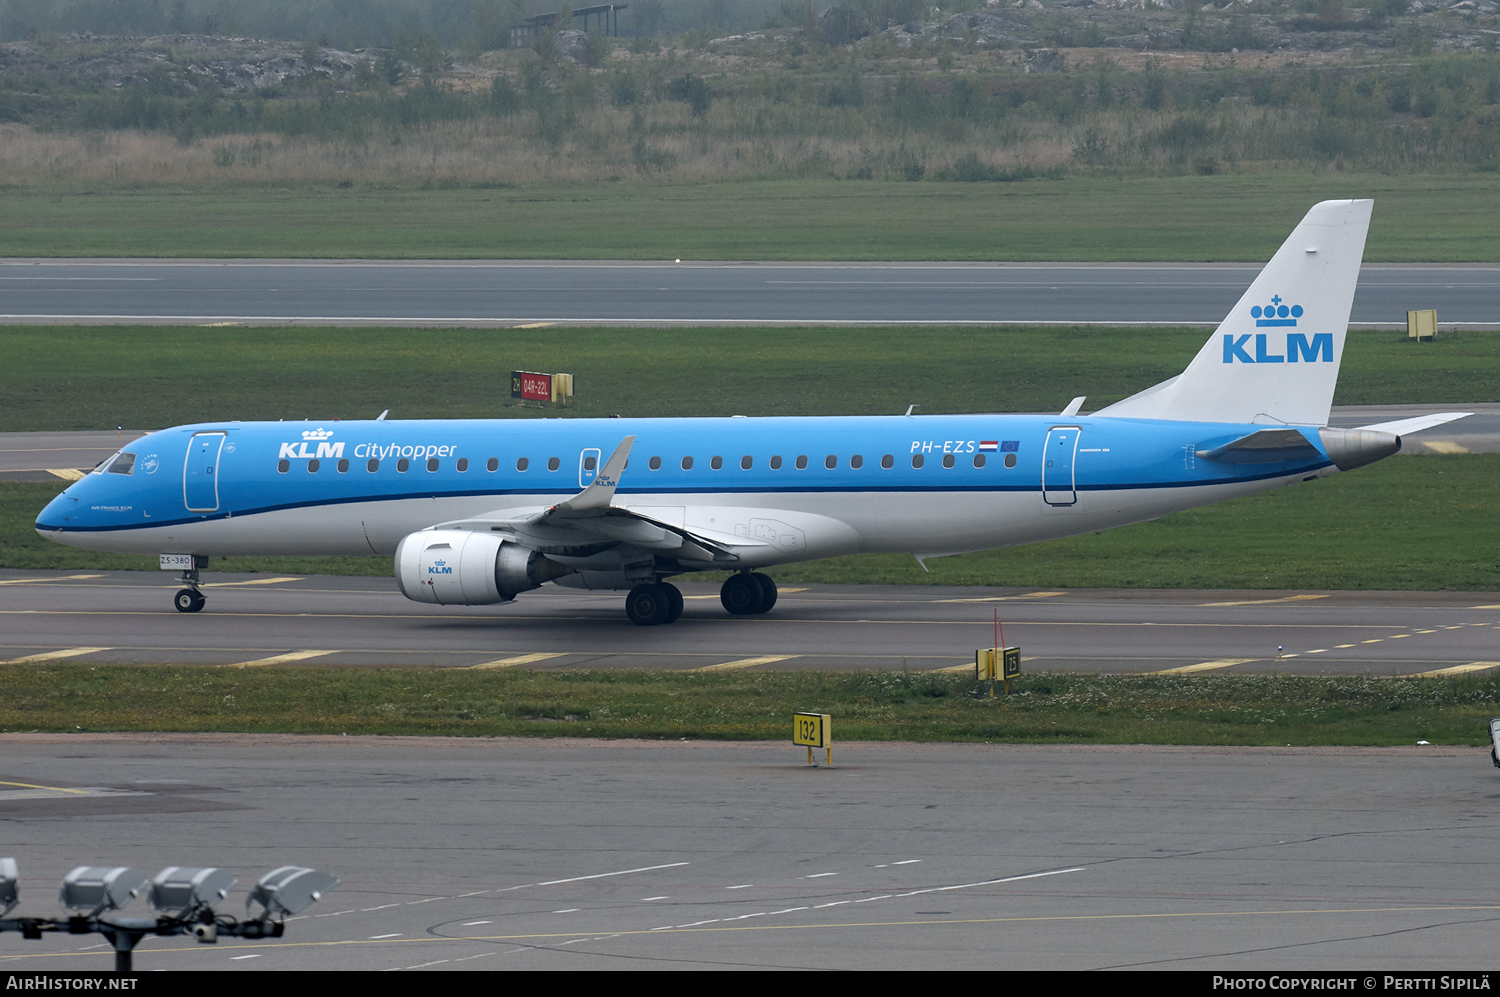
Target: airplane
pixel 477 511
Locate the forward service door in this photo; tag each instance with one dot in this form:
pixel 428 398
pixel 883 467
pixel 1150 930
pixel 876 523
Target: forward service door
pixel 200 472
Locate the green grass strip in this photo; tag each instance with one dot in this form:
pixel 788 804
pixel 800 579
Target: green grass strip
pixel 866 706
pixel 1238 217
pixel 94 377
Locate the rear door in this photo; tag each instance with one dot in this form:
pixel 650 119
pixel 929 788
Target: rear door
pixel 1057 466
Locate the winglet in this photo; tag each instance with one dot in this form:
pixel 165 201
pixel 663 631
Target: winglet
pixel 601 491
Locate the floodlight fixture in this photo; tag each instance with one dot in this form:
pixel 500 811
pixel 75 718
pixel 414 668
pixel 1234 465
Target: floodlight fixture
pixel 99 888
pixel 290 890
pixel 10 886
pixel 182 890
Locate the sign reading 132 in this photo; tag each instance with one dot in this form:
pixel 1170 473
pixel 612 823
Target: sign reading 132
pixel 810 729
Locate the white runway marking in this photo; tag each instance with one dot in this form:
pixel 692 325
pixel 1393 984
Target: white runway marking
pixel 604 875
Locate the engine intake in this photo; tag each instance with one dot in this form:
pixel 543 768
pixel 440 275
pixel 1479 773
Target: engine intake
pixel 465 568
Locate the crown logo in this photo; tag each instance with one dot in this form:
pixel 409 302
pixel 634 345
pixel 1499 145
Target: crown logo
pixel 1275 313
pixel 322 434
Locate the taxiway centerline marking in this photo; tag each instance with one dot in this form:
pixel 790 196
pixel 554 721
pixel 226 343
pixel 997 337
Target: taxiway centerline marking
pixel 279 659
pixel 41 581
pixel 1264 602
pixel 1005 598
pixel 1473 666
pixel 520 659
pixel 1204 666
pixel 252 581
pixel 733 666
pixel 67 652
pixel 55 789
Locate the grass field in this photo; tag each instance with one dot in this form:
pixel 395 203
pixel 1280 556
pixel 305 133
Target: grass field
pixel 1232 217
pixel 93 377
pixel 1424 523
pixel 879 706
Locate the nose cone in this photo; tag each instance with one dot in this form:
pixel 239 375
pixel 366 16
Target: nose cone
pixel 57 515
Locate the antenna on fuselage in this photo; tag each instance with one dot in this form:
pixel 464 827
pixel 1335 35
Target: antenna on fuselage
pixel 381 416
pixel 910 407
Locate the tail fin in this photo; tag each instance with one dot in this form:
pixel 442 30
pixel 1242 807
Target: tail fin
pixel 1275 358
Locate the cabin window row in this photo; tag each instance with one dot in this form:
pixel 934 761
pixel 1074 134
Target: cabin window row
pixel 830 462
pixel 856 462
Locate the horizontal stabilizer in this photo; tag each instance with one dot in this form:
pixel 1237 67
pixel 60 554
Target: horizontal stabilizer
pixel 1417 423
pixel 1268 446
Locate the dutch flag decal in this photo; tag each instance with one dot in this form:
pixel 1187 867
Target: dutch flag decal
pixel 989 444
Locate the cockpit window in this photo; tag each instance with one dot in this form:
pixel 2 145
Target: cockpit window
pixel 122 464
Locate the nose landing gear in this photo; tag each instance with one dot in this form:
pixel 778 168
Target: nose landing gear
pixel 190 599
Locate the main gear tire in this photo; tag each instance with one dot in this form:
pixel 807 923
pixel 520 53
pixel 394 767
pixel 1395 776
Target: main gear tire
pixel 741 595
pixel 648 605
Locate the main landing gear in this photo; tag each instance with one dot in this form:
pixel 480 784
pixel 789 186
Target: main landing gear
pixel 747 594
pixel 189 600
pixel 744 594
pixel 652 603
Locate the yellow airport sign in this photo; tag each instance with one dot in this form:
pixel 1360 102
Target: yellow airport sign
pixel 813 730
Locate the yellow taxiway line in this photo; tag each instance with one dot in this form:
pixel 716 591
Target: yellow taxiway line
pixel 733 666
pixel 520 659
pixel 1204 666
pixel 67 652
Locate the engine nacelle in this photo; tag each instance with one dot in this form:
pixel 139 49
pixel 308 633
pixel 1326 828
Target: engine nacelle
pixel 467 568
pixel 1351 448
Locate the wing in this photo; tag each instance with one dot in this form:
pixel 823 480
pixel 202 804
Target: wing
pixel 589 523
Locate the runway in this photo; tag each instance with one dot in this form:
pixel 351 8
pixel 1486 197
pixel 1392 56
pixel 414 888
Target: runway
pixel 323 621
pixel 465 854
pixel 506 293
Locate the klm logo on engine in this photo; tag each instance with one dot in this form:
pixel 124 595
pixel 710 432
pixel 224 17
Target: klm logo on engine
pixel 439 568
pixel 1294 347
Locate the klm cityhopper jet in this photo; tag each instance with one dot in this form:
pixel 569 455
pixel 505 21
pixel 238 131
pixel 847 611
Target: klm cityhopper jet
pixel 477 511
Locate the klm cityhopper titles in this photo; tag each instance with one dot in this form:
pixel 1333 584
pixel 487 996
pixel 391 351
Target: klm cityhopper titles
pixel 477 511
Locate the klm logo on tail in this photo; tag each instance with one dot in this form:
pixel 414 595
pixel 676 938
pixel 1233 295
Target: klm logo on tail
pixel 1297 346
